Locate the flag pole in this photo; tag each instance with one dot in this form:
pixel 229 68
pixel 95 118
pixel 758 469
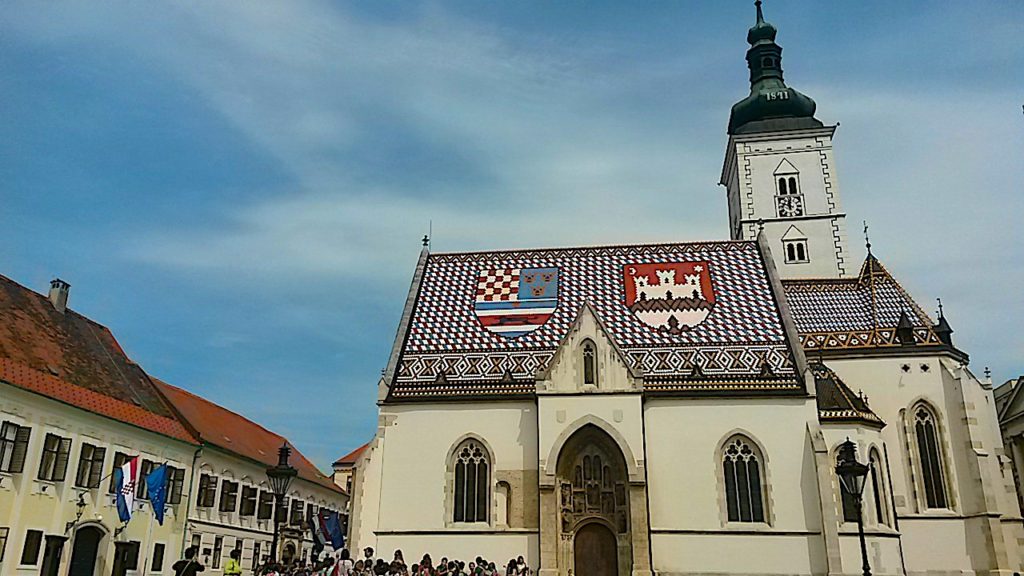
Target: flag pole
pixel 149 540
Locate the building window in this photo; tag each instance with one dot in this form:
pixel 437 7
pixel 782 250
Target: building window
pixel 472 483
pixel 218 546
pixel 238 548
pixel 743 487
pixel 228 495
pixel 119 459
pixel 295 519
pixel 175 484
pixel 30 551
pixel 248 507
pixel 789 200
pixel 13 447
pixel 310 512
pixel 255 556
pixel 54 464
pixel 90 466
pixel 141 491
pixel 157 565
pixel 266 505
pixel 4 532
pixel 796 251
pixel 207 492
pixel 589 363
pixel 930 456
pixel 878 488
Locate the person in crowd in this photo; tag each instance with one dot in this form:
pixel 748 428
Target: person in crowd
pixel 188 566
pixel 233 567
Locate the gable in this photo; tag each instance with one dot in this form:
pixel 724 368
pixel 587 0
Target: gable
pixel 794 233
pixel 785 167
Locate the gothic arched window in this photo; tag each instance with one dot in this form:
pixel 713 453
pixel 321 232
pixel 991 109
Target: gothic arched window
pixel 742 467
pixel 589 363
pixel 472 483
pixel 930 456
pixel 878 487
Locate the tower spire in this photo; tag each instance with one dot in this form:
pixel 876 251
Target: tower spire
pixel 760 15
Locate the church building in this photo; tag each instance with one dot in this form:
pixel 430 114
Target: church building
pixel 678 408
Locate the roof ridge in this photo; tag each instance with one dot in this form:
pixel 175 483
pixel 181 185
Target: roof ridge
pixel 208 401
pixel 46 299
pixel 595 247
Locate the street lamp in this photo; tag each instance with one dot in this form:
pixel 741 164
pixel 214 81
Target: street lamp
pixel 852 476
pixel 280 477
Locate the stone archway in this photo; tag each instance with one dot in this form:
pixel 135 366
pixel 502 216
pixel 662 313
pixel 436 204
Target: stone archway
pixel 594 505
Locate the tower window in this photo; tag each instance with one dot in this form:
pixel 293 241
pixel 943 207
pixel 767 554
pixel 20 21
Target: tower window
pixel 796 251
pixel 789 202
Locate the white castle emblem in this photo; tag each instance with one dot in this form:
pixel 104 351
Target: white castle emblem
pixel 670 305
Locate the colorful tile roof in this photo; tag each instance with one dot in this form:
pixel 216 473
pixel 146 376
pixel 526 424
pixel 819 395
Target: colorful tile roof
pixel 836 402
pixel 485 323
pixel 74 360
pixel 851 313
pixel 237 434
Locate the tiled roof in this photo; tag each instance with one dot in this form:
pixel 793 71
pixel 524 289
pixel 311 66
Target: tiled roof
pixel 351 457
pixel 452 350
pixel 234 433
pixel 836 402
pixel 50 386
pixel 74 360
pixel 861 312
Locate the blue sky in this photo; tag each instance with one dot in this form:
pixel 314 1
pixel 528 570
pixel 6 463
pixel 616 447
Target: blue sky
pixel 238 189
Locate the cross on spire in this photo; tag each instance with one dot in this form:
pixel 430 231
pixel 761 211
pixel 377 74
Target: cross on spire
pixel 867 238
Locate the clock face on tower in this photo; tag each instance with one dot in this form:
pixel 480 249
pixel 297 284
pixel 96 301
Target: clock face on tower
pixel 790 205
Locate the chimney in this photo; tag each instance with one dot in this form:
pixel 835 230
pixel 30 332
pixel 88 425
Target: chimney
pixel 59 294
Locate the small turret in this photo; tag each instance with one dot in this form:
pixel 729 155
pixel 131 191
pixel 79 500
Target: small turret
pixel 942 329
pixel 905 330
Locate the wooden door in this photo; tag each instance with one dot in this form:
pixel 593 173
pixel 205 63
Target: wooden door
pixel 595 552
pixel 83 556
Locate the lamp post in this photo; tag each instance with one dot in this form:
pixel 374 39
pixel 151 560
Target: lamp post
pixel 280 477
pixel 852 476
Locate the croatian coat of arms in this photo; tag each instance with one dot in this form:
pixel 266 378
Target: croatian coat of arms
pixel 672 297
pixel 514 301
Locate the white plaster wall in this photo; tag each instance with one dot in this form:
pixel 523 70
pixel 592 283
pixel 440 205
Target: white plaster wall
pixel 691 531
pixel 418 441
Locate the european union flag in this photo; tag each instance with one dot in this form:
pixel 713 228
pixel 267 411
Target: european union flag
pixel 156 485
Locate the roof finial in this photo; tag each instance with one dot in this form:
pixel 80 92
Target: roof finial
pixel 939 300
pixel 426 240
pixel 988 373
pixel 760 15
pixel 760 221
pixel 867 238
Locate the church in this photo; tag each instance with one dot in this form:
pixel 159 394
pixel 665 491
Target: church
pixel 679 408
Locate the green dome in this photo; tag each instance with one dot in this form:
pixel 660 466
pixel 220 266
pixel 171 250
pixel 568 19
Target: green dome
pixel 771 105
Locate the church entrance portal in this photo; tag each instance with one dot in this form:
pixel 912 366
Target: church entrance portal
pixel 593 500
pixel 594 551
pixel 86 548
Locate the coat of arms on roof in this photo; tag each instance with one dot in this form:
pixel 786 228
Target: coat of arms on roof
pixel 672 297
pixel 514 301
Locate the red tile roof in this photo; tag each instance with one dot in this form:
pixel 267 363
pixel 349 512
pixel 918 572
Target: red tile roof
pixel 234 433
pixel 74 360
pixel 350 458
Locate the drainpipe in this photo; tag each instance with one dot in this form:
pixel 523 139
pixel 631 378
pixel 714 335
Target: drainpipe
pixel 188 502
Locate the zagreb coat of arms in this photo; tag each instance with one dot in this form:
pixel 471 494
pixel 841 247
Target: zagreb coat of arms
pixel 514 301
pixel 672 297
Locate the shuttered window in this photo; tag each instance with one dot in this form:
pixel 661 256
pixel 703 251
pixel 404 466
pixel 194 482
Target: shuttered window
pixel 13 447
pixel 119 459
pixel 207 491
pixel 53 465
pixel 228 496
pixel 90 466
pixel 248 506
pixel 141 490
pixel 266 505
pixel 175 484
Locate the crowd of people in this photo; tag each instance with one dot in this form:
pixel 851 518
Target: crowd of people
pixel 344 564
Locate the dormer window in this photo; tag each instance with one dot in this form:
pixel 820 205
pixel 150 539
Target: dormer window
pixel 789 200
pixel 589 363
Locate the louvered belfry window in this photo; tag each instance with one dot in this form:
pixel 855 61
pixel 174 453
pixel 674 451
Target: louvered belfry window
pixel 472 483
pixel 743 493
pixel 931 458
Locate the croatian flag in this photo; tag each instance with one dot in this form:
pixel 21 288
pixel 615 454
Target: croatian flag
pixel 126 478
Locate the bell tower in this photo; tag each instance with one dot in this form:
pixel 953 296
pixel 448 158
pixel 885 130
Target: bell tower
pixel 779 170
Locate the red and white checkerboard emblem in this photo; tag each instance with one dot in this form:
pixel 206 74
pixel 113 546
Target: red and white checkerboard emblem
pixel 514 301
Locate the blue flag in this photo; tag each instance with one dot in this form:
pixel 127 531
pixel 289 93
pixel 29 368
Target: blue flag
pixel 333 523
pixel 156 485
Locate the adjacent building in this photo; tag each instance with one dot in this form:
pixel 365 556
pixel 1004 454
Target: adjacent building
pixel 73 407
pixel 678 408
pixel 1010 407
